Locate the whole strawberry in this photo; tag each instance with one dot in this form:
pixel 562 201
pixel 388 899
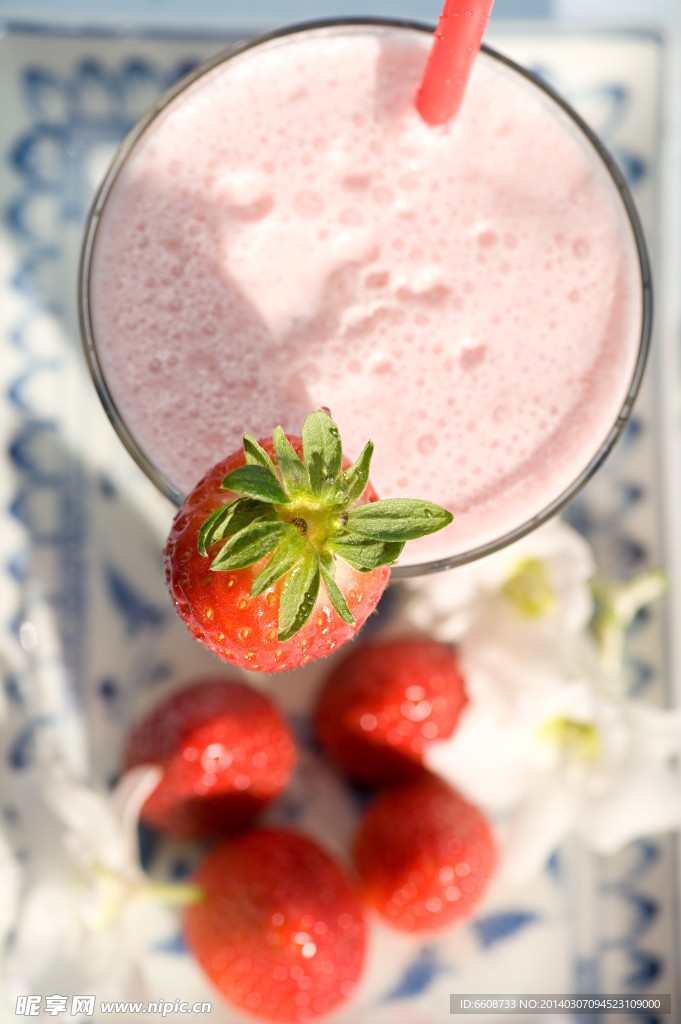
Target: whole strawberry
pixel 424 856
pixel 384 703
pixel 279 930
pixel 225 750
pixel 291 569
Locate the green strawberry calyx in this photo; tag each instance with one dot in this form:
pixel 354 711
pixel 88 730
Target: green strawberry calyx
pixel 304 514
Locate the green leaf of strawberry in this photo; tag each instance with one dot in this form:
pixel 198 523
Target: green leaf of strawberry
pixel 284 558
pixel 259 482
pixel 351 484
pixel 322 451
pixel 229 519
pixel 365 554
pixel 397 519
pixel 251 544
pixel 336 596
pixel 300 518
pixel 299 593
pixel 256 455
pixel 294 472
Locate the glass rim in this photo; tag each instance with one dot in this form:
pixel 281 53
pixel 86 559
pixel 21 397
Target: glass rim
pixel 161 482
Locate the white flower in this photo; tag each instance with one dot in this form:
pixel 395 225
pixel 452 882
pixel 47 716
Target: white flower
pixel 624 783
pixel 81 920
pixel 533 593
pixel 498 746
pixel 547 737
pixel 561 753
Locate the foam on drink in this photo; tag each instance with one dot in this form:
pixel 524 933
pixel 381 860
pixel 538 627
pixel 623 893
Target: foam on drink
pixel 290 234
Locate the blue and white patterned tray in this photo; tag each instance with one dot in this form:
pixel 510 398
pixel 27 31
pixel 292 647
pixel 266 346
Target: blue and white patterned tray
pixel 88 638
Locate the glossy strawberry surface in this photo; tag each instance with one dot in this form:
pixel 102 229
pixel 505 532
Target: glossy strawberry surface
pixel 217 606
pixel 280 930
pixel 384 703
pixel 424 856
pixel 226 752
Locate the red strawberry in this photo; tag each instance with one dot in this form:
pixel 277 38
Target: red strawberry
pixel 290 570
pixel 225 750
pixel 424 856
pixel 383 704
pixel 279 931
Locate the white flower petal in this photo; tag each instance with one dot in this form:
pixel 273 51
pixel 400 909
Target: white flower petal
pixel 74 924
pixel 643 803
pixel 536 829
pixel 448 603
pixel 481 759
pixel 657 731
pixel 45 932
pixel 89 826
pixel 644 798
pixel 99 828
pixel 127 800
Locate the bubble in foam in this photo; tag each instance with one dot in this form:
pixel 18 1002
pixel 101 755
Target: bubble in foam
pixel 410 182
pixel 308 204
pixel 356 182
pixel 377 279
pixel 351 216
pixel 383 196
pixel 487 239
pixel 427 444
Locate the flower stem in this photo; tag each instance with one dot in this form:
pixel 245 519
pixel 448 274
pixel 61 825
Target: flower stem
pixel 173 894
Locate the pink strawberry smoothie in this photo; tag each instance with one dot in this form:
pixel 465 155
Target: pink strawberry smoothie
pixel 289 234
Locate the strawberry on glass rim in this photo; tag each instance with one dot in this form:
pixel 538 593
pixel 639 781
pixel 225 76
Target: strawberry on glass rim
pixel 282 550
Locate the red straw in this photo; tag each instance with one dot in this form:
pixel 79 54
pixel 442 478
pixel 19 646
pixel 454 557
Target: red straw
pixel 455 46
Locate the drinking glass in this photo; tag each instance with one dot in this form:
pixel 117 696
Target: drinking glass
pixel 601 445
